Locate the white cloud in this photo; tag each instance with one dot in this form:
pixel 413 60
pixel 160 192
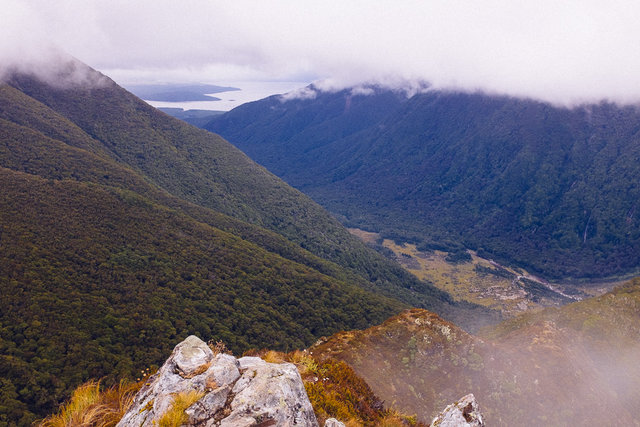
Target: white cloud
pixel 567 51
pixel 362 91
pixel 302 93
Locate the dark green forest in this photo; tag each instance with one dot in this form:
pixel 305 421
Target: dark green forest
pixel 123 230
pixel 553 190
pixel 193 165
pixel 99 281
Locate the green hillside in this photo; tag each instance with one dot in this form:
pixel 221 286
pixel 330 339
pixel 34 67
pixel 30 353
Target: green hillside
pixel 549 189
pixel 204 169
pixel 101 281
pixel 123 230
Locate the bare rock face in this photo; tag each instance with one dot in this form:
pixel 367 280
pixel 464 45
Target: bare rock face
pixel 231 392
pixel 463 413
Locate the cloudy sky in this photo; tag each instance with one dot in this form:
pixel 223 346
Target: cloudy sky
pixel 562 51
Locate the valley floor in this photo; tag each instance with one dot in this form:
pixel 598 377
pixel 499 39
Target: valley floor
pixel 510 290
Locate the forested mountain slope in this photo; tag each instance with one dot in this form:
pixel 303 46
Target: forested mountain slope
pixel 204 169
pixel 550 189
pixel 100 281
pixel 123 230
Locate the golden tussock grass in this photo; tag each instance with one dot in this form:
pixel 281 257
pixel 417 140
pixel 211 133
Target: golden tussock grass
pixel 218 347
pixel 175 416
pixel 90 406
pixel 305 363
pixel 273 357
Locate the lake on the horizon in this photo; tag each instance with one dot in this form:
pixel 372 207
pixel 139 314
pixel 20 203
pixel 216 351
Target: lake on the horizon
pixel 249 91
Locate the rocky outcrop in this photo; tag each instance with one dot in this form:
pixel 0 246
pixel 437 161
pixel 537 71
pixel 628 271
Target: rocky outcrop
pixel 224 391
pixel 463 413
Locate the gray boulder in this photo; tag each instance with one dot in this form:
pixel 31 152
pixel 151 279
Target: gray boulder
pixel 231 392
pixel 463 413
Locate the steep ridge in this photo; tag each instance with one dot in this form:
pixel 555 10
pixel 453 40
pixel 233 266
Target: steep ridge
pixel 205 170
pixel 94 275
pixel 276 132
pixel 545 188
pixel 110 246
pixel 575 365
pixel 27 149
pixel 194 165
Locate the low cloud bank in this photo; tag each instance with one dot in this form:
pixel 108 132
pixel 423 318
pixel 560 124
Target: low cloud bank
pixel 563 52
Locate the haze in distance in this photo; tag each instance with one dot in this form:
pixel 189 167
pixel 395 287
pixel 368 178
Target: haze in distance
pixel 566 53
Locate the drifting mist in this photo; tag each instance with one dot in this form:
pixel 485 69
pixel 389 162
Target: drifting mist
pixel 567 52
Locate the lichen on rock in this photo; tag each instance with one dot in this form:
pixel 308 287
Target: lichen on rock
pixel 234 392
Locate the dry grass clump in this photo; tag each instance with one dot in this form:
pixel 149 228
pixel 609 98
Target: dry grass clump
pixel 273 357
pixel 175 415
pixel 91 406
pixel 305 363
pixel 218 347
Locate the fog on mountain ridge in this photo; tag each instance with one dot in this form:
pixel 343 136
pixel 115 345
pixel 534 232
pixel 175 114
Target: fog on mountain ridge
pixel 567 53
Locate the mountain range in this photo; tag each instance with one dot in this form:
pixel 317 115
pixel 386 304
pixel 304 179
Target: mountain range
pixel 123 230
pixel 546 188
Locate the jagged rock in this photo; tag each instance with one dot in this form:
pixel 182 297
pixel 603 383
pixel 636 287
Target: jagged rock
pixel 235 392
pixel 463 413
pixel 273 392
pixel 332 422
